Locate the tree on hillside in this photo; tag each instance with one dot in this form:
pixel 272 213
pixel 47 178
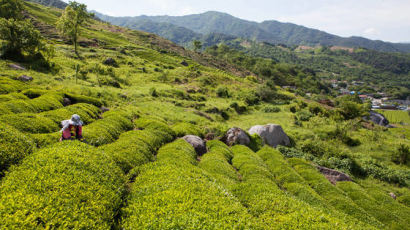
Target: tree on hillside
pixel 73 18
pixel 11 9
pixel 197 45
pixel 20 36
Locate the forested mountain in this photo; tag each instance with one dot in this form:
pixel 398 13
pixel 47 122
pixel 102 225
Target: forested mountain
pixel 273 32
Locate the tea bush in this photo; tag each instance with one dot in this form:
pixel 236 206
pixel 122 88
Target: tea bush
pixel 75 98
pixel 333 196
pixel 40 104
pixel 108 129
pixel 30 123
pixel 183 128
pixel 172 193
pixel 8 85
pixel 14 146
pixel 12 96
pixel 271 109
pixel 288 179
pixel 404 199
pixel 88 113
pixel 269 204
pixel 134 148
pixel 385 173
pixel 45 139
pixel 70 185
pixel 373 206
pixel 155 124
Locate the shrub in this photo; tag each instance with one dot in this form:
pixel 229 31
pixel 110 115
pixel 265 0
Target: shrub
pixel 45 139
pixel 256 142
pixel 223 92
pixel 108 129
pixel 20 36
pixel 304 115
pixel 30 123
pixel 88 113
pixel 405 199
pixel 83 99
pixel 43 103
pixel 251 98
pixel 267 203
pixel 134 148
pixel 271 109
pixel 183 128
pixel 333 196
pixel 153 92
pixel 238 108
pixel 69 185
pixel 155 125
pixel 12 96
pixel 172 193
pixel 384 173
pixel 402 155
pixel 8 85
pixel 374 207
pixel 14 146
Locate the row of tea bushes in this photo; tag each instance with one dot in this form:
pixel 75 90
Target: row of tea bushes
pixel 173 193
pixel 108 129
pixel 76 98
pixel 333 196
pixel 183 128
pixel 272 206
pixel 135 148
pixel 88 113
pixel 14 146
pixel 291 182
pixel 50 121
pixel 12 96
pixel 393 216
pixel 43 103
pixel 8 85
pixel 152 123
pixel 216 162
pixel 288 179
pixel 69 185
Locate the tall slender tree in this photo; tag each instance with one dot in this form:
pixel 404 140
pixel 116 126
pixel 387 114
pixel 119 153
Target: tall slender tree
pixel 73 18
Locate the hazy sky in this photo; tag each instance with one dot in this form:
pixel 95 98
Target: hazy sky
pixel 387 20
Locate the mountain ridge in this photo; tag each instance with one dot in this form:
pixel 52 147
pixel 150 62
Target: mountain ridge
pixel 271 31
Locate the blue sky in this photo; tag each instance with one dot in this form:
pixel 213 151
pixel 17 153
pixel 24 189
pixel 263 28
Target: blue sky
pixel 387 20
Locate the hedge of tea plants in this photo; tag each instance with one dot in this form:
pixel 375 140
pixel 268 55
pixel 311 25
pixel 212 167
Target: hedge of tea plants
pixel 8 85
pixel 69 185
pixel 333 196
pixel 272 206
pixel 108 129
pixel 14 146
pixel 173 193
pixel 43 103
pixel 183 128
pixel 396 217
pixel 135 148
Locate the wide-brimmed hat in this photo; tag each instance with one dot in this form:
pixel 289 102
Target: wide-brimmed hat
pixel 75 120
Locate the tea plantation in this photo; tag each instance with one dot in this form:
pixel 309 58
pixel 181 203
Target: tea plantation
pixel 134 171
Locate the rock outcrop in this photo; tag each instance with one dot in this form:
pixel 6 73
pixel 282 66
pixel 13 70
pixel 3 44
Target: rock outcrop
pixel 198 144
pixel 377 118
pixel 271 134
pixel 236 136
pixel 333 176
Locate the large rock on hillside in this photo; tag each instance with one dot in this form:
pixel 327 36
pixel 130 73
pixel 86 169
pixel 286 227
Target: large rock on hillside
pixel 198 144
pixel 377 118
pixel 333 176
pixel 236 136
pixel 271 134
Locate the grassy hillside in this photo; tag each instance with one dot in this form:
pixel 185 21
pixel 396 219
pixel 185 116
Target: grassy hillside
pixel 133 171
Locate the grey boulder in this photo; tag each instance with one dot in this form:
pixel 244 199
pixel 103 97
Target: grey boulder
pixel 271 134
pixel 333 176
pixel 377 118
pixel 236 136
pixel 25 78
pixel 198 144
